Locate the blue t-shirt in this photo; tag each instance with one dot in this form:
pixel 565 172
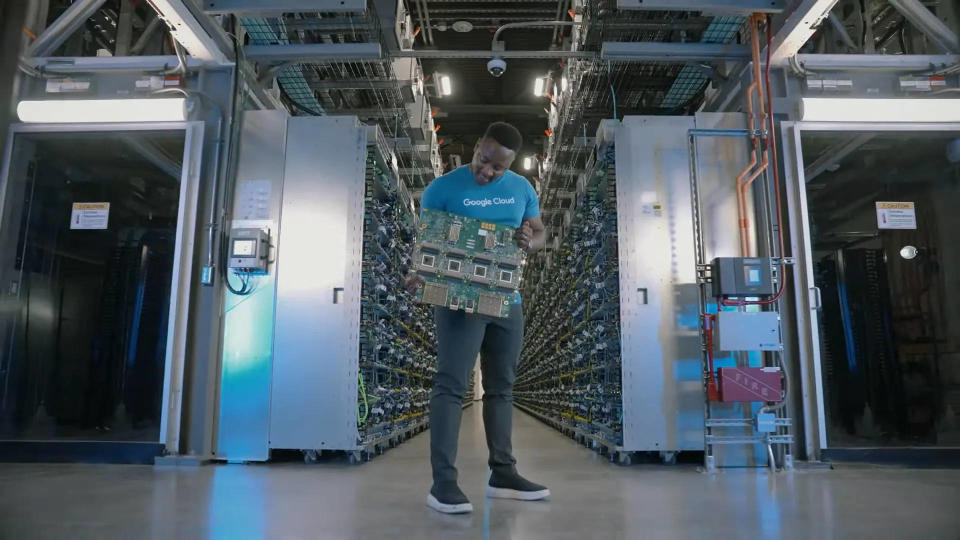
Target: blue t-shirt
pixel 508 200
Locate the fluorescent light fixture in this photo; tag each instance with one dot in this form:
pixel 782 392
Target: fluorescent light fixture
pixel 879 110
pixel 445 87
pixel 103 110
pixel 527 163
pixel 539 86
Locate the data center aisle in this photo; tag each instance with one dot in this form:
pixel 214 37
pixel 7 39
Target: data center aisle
pixel 385 499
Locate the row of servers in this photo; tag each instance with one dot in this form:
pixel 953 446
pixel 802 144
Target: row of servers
pixel 570 372
pixel 397 335
pixel 328 353
pixel 336 357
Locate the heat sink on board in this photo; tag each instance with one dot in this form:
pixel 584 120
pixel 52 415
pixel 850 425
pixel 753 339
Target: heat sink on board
pixel 467 264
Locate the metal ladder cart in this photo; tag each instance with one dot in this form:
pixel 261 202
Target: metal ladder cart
pixel 746 323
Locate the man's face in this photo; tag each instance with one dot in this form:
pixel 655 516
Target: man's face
pixel 490 160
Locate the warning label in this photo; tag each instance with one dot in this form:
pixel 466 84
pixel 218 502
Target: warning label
pixel 652 209
pixel 90 215
pixel 896 215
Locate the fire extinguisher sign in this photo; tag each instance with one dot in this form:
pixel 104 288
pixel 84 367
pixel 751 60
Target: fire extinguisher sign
pixel 896 215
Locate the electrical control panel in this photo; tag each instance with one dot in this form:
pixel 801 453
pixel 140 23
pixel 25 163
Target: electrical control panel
pixel 249 250
pixel 467 264
pixel 749 330
pixel 740 277
pixel 749 384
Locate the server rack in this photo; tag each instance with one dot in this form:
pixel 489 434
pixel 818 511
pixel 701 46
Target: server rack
pixel 633 220
pixel 348 359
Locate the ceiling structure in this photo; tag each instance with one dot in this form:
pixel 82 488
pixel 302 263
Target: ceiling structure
pixel 603 59
pixel 480 98
pixel 448 31
pixel 316 55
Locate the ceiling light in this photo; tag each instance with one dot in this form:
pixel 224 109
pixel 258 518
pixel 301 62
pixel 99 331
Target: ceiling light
pixel 527 163
pixel 445 87
pixel 879 110
pixel 103 110
pixel 539 86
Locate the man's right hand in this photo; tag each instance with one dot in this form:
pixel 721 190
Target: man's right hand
pixel 413 282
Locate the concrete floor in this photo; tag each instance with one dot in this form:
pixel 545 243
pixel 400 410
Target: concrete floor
pixel 385 499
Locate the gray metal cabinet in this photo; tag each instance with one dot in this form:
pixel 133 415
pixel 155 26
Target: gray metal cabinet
pixel 290 353
pixel 663 400
pixel 314 399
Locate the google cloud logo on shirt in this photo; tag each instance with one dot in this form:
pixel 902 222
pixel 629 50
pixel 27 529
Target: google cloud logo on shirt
pixel 483 203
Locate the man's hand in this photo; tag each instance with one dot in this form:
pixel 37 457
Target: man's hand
pixel 525 235
pixel 413 282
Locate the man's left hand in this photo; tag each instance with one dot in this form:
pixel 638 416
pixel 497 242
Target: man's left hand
pixel 531 236
pixel 524 235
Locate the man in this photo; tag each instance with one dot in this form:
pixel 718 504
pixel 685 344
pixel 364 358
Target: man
pixel 498 340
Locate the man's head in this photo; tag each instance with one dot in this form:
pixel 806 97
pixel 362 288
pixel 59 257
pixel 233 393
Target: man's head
pixel 495 152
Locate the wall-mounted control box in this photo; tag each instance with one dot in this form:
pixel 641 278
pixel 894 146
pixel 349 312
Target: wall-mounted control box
pixel 249 250
pixel 739 276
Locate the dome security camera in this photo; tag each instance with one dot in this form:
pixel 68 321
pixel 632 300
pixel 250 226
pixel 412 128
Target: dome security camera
pixel 497 66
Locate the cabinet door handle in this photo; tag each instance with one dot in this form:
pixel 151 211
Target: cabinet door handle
pixel 646 298
pixel 818 298
pixel 336 294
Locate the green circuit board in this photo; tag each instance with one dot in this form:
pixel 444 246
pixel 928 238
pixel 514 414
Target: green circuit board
pixel 467 264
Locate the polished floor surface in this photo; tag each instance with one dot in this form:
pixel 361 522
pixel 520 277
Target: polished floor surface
pixel 385 499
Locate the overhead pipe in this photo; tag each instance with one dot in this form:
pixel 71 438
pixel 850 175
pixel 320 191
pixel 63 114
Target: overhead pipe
pixel 145 36
pixel 841 31
pixel 531 24
pixel 750 173
pixel 445 54
pixel 425 19
pixel 751 127
pixel 426 11
pixel 560 5
pixel 928 23
pixel 769 150
pixel 658 51
pixel 420 23
pixel 877 62
pixel 66 24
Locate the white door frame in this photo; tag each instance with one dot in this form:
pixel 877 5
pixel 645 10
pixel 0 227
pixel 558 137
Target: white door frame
pixel 181 277
pixel 807 294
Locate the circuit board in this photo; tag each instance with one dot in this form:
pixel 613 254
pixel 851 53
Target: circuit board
pixel 467 264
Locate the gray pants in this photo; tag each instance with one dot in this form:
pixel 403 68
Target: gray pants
pixel 460 337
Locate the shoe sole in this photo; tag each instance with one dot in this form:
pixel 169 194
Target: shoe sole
pixel 504 493
pixel 464 508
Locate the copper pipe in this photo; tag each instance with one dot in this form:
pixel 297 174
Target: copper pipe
pixel 757 65
pixel 745 224
pixel 752 117
pixel 741 206
pixel 763 167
